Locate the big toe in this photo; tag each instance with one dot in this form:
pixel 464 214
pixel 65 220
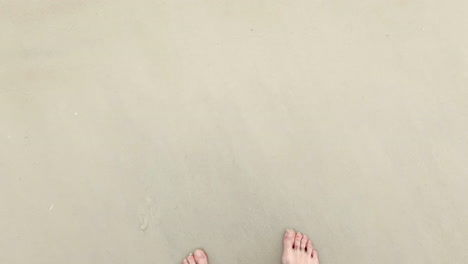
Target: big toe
pixel 288 239
pixel 200 256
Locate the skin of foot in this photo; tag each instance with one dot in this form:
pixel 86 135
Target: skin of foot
pixel 298 249
pixel 197 257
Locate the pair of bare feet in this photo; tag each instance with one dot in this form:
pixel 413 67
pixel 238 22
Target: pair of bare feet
pixel 297 249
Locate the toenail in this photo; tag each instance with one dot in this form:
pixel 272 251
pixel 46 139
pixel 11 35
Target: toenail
pixel 199 253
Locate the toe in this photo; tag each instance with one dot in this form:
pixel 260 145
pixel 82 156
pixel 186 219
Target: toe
pixel 200 257
pixel 304 241
pixel 288 239
pixel 297 242
pixel 191 259
pixel 310 247
pixel 185 261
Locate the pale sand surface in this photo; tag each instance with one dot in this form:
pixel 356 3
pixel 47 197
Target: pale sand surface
pixel 137 131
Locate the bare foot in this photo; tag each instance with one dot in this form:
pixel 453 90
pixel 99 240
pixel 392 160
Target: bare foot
pixel 197 257
pixel 298 249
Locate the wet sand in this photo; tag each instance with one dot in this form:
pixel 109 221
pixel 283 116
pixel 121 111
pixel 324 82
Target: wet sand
pixel 137 131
